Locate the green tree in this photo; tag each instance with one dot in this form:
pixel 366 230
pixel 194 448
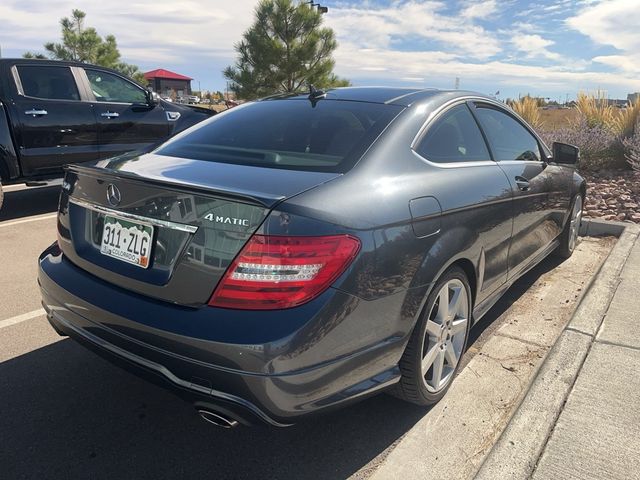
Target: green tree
pixel 83 44
pixel 283 51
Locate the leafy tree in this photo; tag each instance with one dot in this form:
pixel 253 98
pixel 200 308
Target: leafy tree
pixel 285 49
pixel 82 44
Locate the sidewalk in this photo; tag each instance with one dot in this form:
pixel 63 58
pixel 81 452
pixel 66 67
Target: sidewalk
pixel 581 416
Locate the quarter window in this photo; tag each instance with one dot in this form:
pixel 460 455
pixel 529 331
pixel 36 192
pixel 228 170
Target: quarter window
pixel 454 137
pixel 107 87
pixel 508 138
pixel 53 83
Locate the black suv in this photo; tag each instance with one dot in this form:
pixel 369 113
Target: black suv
pixel 54 113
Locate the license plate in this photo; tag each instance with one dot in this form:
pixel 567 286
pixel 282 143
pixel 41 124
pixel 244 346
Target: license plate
pixel 127 241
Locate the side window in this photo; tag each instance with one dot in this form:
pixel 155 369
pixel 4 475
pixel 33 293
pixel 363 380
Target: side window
pixel 454 137
pixel 43 81
pixel 111 88
pixel 508 138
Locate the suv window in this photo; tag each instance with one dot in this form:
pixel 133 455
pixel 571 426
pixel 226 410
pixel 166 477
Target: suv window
pixel 110 88
pixel 454 137
pixel 54 83
pixel 508 138
pixel 293 134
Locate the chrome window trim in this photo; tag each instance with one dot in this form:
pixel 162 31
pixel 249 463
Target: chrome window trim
pixel 20 89
pixel 132 216
pixel 433 116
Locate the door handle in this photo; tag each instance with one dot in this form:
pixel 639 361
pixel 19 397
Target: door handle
pixel 110 114
pixel 523 183
pixel 36 112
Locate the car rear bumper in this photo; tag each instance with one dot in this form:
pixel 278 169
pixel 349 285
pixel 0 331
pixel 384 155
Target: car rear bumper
pixel 258 384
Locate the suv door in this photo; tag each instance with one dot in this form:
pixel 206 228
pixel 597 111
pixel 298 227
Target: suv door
pixel 541 190
pixel 52 125
pixel 126 120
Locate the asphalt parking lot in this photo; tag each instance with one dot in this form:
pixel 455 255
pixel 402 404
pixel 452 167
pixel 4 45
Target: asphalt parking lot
pixel 66 413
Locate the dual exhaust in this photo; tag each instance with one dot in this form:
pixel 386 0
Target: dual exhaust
pixel 217 419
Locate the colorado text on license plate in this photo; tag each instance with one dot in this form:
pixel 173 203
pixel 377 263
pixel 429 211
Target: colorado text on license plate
pixel 127 241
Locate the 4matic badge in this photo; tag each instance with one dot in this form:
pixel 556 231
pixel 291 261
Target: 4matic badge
pixel 243 222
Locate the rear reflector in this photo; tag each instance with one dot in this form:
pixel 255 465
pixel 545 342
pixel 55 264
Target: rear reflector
pixel 273 272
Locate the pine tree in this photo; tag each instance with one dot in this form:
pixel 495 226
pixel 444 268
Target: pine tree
pixel 285 50
pixel 82 44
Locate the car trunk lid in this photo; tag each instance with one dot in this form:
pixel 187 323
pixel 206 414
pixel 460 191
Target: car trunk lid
pixel 201 214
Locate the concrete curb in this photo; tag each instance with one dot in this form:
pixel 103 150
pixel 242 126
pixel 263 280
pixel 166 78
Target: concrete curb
pixel 515 454
pixel 593 227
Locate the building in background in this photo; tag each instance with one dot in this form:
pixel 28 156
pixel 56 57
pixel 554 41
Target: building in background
pixel 633 97
pixel 165 83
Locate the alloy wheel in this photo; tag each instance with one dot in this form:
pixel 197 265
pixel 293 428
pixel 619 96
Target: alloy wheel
pixel 445 335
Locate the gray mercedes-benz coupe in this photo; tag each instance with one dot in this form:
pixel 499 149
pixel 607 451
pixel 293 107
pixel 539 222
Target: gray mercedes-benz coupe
pixel 301 252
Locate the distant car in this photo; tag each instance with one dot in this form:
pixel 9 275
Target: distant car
pixel 299 253
pixel 206 101
pixel 53 113
pixel 193 99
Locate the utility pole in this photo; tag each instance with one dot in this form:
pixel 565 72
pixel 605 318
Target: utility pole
pixel 457 86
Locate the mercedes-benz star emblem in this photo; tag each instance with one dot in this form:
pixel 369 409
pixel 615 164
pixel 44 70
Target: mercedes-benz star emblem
pixel 113 195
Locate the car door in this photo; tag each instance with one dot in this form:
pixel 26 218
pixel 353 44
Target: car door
pixel 474 193
pixel 52 124
pixel 540 189
pixel 126 119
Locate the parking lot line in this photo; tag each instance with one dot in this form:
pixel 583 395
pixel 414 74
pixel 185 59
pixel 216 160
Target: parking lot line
pixel 30 219
pixel 21 318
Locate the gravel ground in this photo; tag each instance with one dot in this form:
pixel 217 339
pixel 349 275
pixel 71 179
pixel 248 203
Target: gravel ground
pixel 613 195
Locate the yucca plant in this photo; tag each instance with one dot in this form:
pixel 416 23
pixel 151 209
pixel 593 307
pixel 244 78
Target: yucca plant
pixel 527 108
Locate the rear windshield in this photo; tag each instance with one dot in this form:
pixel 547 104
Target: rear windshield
pixel 293 134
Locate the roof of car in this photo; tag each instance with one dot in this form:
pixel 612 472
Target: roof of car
pixel 390 95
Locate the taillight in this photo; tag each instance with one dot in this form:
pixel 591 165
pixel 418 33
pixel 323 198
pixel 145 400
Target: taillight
pixel 274 272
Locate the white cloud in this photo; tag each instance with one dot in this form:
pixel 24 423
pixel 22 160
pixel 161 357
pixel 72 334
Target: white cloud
pixel 534 46
pixel 627 63
pixel 613 23
pixel 381 27
pixel 147 31
pixel 480 9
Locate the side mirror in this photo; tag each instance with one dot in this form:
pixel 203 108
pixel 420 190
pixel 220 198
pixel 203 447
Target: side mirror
pixel 565 154
pixel 152 98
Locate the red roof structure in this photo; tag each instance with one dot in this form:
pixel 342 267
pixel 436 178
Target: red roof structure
pixel 166 74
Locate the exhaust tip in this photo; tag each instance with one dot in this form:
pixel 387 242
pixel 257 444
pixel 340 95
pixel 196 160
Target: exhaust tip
pixel 217 419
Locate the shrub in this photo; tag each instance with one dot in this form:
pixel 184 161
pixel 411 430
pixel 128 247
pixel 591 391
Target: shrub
pixel 632 146
pixel 599 146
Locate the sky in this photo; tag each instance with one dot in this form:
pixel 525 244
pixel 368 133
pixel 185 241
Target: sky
pixel 552 48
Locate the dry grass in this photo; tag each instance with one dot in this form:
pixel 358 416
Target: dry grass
pixel 595 110
pixel 527 108
pixel 558 118
pixel 626 122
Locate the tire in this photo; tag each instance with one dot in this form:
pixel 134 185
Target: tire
pixel 569 235
pixel 436 338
